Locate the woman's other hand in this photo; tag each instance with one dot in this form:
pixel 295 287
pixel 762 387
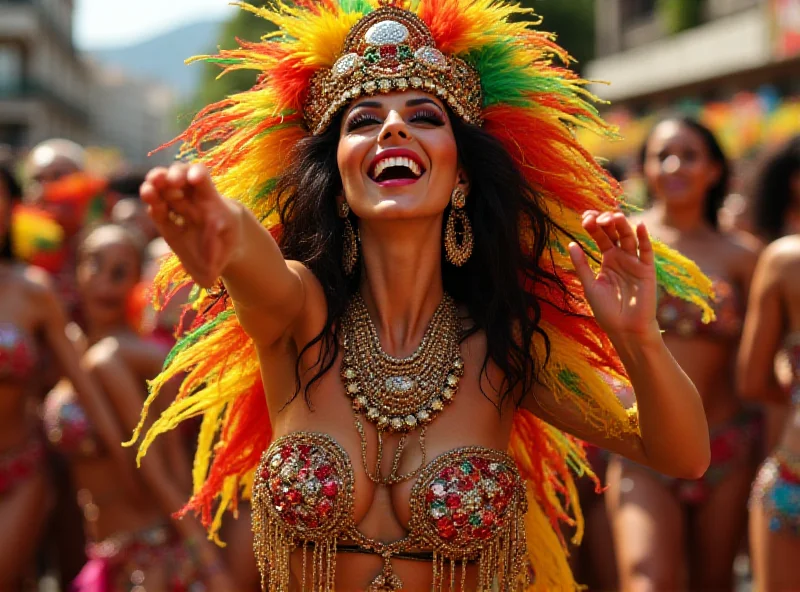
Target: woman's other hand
pixel 201 227
pixel 622 293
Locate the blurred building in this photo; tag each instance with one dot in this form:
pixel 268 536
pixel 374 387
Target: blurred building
pixel 43 83
pixel 131 115
pixel 656 52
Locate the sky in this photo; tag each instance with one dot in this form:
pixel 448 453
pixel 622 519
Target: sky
pixel 112 23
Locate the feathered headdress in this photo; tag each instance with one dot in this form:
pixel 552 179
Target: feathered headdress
pixel 485 61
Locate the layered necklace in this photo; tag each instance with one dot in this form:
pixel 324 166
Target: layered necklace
pixel 399 395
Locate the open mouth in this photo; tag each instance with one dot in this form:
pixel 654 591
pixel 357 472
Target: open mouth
pixel 397 169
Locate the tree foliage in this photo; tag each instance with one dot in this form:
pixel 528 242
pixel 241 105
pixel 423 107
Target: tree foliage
pixel 572 21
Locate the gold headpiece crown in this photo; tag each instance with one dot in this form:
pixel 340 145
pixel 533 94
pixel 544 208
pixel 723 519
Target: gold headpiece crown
pixel 392 49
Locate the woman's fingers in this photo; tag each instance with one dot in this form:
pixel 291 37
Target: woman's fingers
pixel 581 263
pixel 176 176
pixel 608 225
pixel 158 207
pixel 157 177
pixel 599 236
pixel 200 179
pixel 627 238
pixel 646 253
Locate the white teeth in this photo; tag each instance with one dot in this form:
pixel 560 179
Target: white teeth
pixel 397 161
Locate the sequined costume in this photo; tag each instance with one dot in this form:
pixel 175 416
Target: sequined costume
pixel 17 353
pixel 491 68
pixel 21 463
pixel 467 504
pixel 118 563
pixel 18 359
pixel 734 442
pixel 777 486
pixel 677 317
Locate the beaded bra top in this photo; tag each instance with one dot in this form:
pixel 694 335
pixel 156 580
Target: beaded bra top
pixel 467 505
pixel 678 317
pixel 17 353
pixel 67 427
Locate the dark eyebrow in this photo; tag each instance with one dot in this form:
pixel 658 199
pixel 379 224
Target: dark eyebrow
pixel 422 101
pixel 369 104
pixel 409 103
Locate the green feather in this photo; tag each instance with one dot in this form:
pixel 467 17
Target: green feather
pixel 357 6
pixel 195 336
pixel 504 81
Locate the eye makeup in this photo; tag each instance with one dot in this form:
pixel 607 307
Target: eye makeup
pixel 361 118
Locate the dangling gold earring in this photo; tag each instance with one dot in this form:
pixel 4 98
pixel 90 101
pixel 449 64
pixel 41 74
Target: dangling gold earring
pixel 350 247
pixel 458 251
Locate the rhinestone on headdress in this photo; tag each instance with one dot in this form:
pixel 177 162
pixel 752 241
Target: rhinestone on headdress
pixel 392 49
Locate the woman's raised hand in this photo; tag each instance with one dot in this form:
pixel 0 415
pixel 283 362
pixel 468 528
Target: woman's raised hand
pixel 201 227
pixel 622 293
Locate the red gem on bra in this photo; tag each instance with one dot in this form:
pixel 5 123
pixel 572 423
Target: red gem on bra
pixel 466 501
pixel 303 484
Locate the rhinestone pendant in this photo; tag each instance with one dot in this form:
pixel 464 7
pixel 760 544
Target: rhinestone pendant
pixel 400 384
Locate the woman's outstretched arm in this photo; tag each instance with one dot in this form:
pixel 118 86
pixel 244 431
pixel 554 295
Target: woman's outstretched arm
pixel 218 238
pixel 87 390
pixel 674 433
pixel 764 328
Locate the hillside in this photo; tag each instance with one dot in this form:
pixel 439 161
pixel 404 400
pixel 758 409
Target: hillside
pixel 162 58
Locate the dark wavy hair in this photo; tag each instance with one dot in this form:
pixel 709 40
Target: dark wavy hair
pixel 772 192
pixel 715 196
pixel 8 183
pixel 489 285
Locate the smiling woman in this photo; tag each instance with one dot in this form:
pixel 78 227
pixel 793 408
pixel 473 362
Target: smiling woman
pixel 415 263
pixel 687 177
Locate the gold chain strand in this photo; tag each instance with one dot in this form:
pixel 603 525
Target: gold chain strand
pixel 393 477
pixel 399 394
pixel 305 549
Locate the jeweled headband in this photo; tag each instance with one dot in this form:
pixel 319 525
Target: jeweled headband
pixel 391 49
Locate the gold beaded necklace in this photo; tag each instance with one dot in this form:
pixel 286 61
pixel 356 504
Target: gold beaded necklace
pixel 399 395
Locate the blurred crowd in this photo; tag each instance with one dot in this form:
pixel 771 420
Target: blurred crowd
pixel 79 339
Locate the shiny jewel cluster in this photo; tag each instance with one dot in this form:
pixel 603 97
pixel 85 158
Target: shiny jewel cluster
pixel 303 484
pixel 401 394
pixel 392 50
pixel 468 501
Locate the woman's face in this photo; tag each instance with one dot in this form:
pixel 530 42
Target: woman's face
pixel 397 156
pixel 108 270
pixel 678 166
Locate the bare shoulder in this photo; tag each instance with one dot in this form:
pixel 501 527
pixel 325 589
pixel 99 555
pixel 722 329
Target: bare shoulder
pixel 313 292
pixel 741 255
pixel 783 254
pixel 311 319
pixel 740 246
